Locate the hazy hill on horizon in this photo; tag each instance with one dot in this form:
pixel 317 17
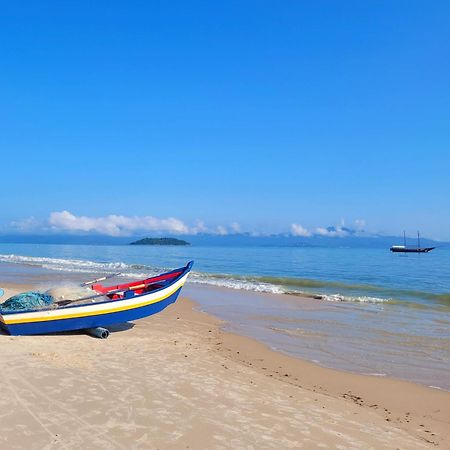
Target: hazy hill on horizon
pixel 239 239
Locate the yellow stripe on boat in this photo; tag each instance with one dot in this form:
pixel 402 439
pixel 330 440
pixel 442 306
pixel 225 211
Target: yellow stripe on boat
pixel 11 321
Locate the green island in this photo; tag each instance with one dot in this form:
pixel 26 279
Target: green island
pixel 160 241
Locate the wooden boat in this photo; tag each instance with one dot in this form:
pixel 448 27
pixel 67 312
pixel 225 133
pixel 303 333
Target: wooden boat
pixel 404 249
pixel 106 306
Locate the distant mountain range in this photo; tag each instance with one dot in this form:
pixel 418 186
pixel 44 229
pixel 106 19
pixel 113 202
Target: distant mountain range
pixel 335 237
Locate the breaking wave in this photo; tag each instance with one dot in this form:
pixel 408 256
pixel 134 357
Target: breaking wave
pixel 330 291
pixel 68 265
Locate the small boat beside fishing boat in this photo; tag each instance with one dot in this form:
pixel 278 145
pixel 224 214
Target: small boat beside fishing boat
pixel 405 249
pixel 104 306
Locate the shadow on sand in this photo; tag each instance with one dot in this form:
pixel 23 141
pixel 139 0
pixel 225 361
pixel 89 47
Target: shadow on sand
pixel 117 328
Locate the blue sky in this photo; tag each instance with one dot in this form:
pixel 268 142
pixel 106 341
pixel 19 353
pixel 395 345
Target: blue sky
pixel 222 116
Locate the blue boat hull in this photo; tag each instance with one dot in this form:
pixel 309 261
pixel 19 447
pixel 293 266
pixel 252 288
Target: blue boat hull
pixel 80 323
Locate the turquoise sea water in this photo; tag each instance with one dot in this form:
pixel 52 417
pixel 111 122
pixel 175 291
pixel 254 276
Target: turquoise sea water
pixel 373 312
pixel 352 274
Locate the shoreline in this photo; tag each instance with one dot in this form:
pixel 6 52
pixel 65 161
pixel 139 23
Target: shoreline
pixel 420 410
pixel 415 414
pixel 339 336
pixel 332 288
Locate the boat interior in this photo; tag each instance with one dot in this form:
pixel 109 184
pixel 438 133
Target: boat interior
pixel 136 287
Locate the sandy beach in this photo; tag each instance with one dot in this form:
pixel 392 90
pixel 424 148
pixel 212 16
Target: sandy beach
pixel 250 198
pixel 177 380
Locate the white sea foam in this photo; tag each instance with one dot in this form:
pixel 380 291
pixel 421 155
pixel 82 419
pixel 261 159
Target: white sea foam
pixel 232 283
pixel 140 271
pixel 332 298
pixel 69 265
pixel 360 299
pixel 135 271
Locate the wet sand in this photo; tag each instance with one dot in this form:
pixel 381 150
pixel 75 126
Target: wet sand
pixel 177 380
pixel 369 339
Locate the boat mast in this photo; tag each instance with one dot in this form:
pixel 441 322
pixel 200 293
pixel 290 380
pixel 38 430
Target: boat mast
pixel 418 239
pixel 404 238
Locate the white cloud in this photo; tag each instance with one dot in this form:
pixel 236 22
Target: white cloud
pixel 117 225
pixel 298 230
pixel 235 227
pixel 221 230
pixel 114 225
pixel 322 231
pixel 334 232
pixel 26 225
pixel 200 227
pixel 360 224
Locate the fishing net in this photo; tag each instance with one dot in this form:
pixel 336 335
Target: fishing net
pixel 66 291
pixel 26 300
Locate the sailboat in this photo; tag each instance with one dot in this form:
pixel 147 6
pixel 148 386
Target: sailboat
pixel 405 249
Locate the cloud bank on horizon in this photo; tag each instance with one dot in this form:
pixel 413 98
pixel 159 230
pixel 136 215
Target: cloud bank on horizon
pixel 122 226
pixel 336 231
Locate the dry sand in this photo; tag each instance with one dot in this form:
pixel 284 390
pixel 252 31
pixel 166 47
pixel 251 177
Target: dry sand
pixel 176 380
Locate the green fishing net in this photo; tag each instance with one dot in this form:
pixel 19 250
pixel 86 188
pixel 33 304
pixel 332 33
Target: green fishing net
pixel 26 300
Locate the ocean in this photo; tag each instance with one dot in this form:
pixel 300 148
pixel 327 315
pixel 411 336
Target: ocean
pixel 369 310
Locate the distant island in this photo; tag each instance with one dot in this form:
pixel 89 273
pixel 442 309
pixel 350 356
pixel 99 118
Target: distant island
pixel 160 241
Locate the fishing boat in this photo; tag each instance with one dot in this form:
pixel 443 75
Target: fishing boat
pixel 105 306
pixel 405 249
